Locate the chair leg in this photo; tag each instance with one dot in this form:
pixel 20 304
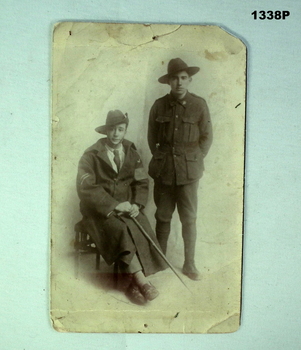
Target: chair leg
pixel 116 270
pixel 77 257
pixel 97 261
pixel 83 243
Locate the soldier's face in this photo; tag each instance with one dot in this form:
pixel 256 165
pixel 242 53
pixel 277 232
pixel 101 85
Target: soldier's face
pixel 116 134
pixel 179 83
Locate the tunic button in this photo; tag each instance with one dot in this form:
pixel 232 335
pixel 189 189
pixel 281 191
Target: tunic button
pixel 175 155
pixel 176 129
pixel 177 116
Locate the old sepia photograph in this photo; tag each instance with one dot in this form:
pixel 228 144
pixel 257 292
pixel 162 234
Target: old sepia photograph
pixel 148 149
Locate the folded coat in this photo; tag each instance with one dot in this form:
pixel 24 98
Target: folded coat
pixel 101 189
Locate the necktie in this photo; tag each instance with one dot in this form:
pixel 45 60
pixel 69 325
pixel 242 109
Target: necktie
pixel 117 159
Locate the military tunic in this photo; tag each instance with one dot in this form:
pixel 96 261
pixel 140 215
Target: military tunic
pixel 179 136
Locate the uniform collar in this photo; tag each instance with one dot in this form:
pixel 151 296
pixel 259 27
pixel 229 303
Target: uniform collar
pixel 183 102
pixel 119 149
pixel 100 148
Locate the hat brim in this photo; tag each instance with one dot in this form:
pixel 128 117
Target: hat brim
pixel 190 70
pixel 102 129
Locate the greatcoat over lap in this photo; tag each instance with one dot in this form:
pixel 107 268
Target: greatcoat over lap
pixel 101 189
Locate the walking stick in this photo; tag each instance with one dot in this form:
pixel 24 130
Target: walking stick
pixel 158 250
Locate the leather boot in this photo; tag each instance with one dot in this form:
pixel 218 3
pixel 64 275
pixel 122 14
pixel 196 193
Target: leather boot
pixel 162 233
pixel 189 237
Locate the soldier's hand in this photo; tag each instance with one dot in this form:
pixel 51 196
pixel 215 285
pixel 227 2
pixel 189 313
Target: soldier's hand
pixel 134 211
pixel 124 207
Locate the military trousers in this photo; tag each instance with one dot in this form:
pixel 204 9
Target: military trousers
pixel 184 198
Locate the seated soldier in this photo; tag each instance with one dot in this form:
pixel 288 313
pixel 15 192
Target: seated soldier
pixel 113 187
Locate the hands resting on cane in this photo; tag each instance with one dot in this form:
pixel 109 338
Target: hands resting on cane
pixel 127 208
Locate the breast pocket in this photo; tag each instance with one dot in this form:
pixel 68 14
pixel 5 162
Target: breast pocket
pixel 163 122
pixel 163 119
pixel 191 132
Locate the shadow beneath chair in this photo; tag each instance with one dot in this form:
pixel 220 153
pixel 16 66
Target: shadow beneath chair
pixel 103 278
pixel 84 269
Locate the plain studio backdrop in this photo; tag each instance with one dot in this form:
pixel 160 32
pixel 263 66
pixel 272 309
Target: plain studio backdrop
pixel 271 303
pixel 102 67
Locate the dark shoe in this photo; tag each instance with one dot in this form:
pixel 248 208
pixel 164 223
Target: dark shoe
pixel 191 272
pixel 149 291
pixel 134 295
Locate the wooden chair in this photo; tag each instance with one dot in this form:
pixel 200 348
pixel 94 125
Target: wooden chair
pixel 83 243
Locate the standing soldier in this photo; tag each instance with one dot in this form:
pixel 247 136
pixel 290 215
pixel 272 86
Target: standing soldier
pixel 179 137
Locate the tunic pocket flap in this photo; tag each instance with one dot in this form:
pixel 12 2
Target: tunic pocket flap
pixel 159 155
pixel 163 119
pixel 192 119
pixel 191 157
